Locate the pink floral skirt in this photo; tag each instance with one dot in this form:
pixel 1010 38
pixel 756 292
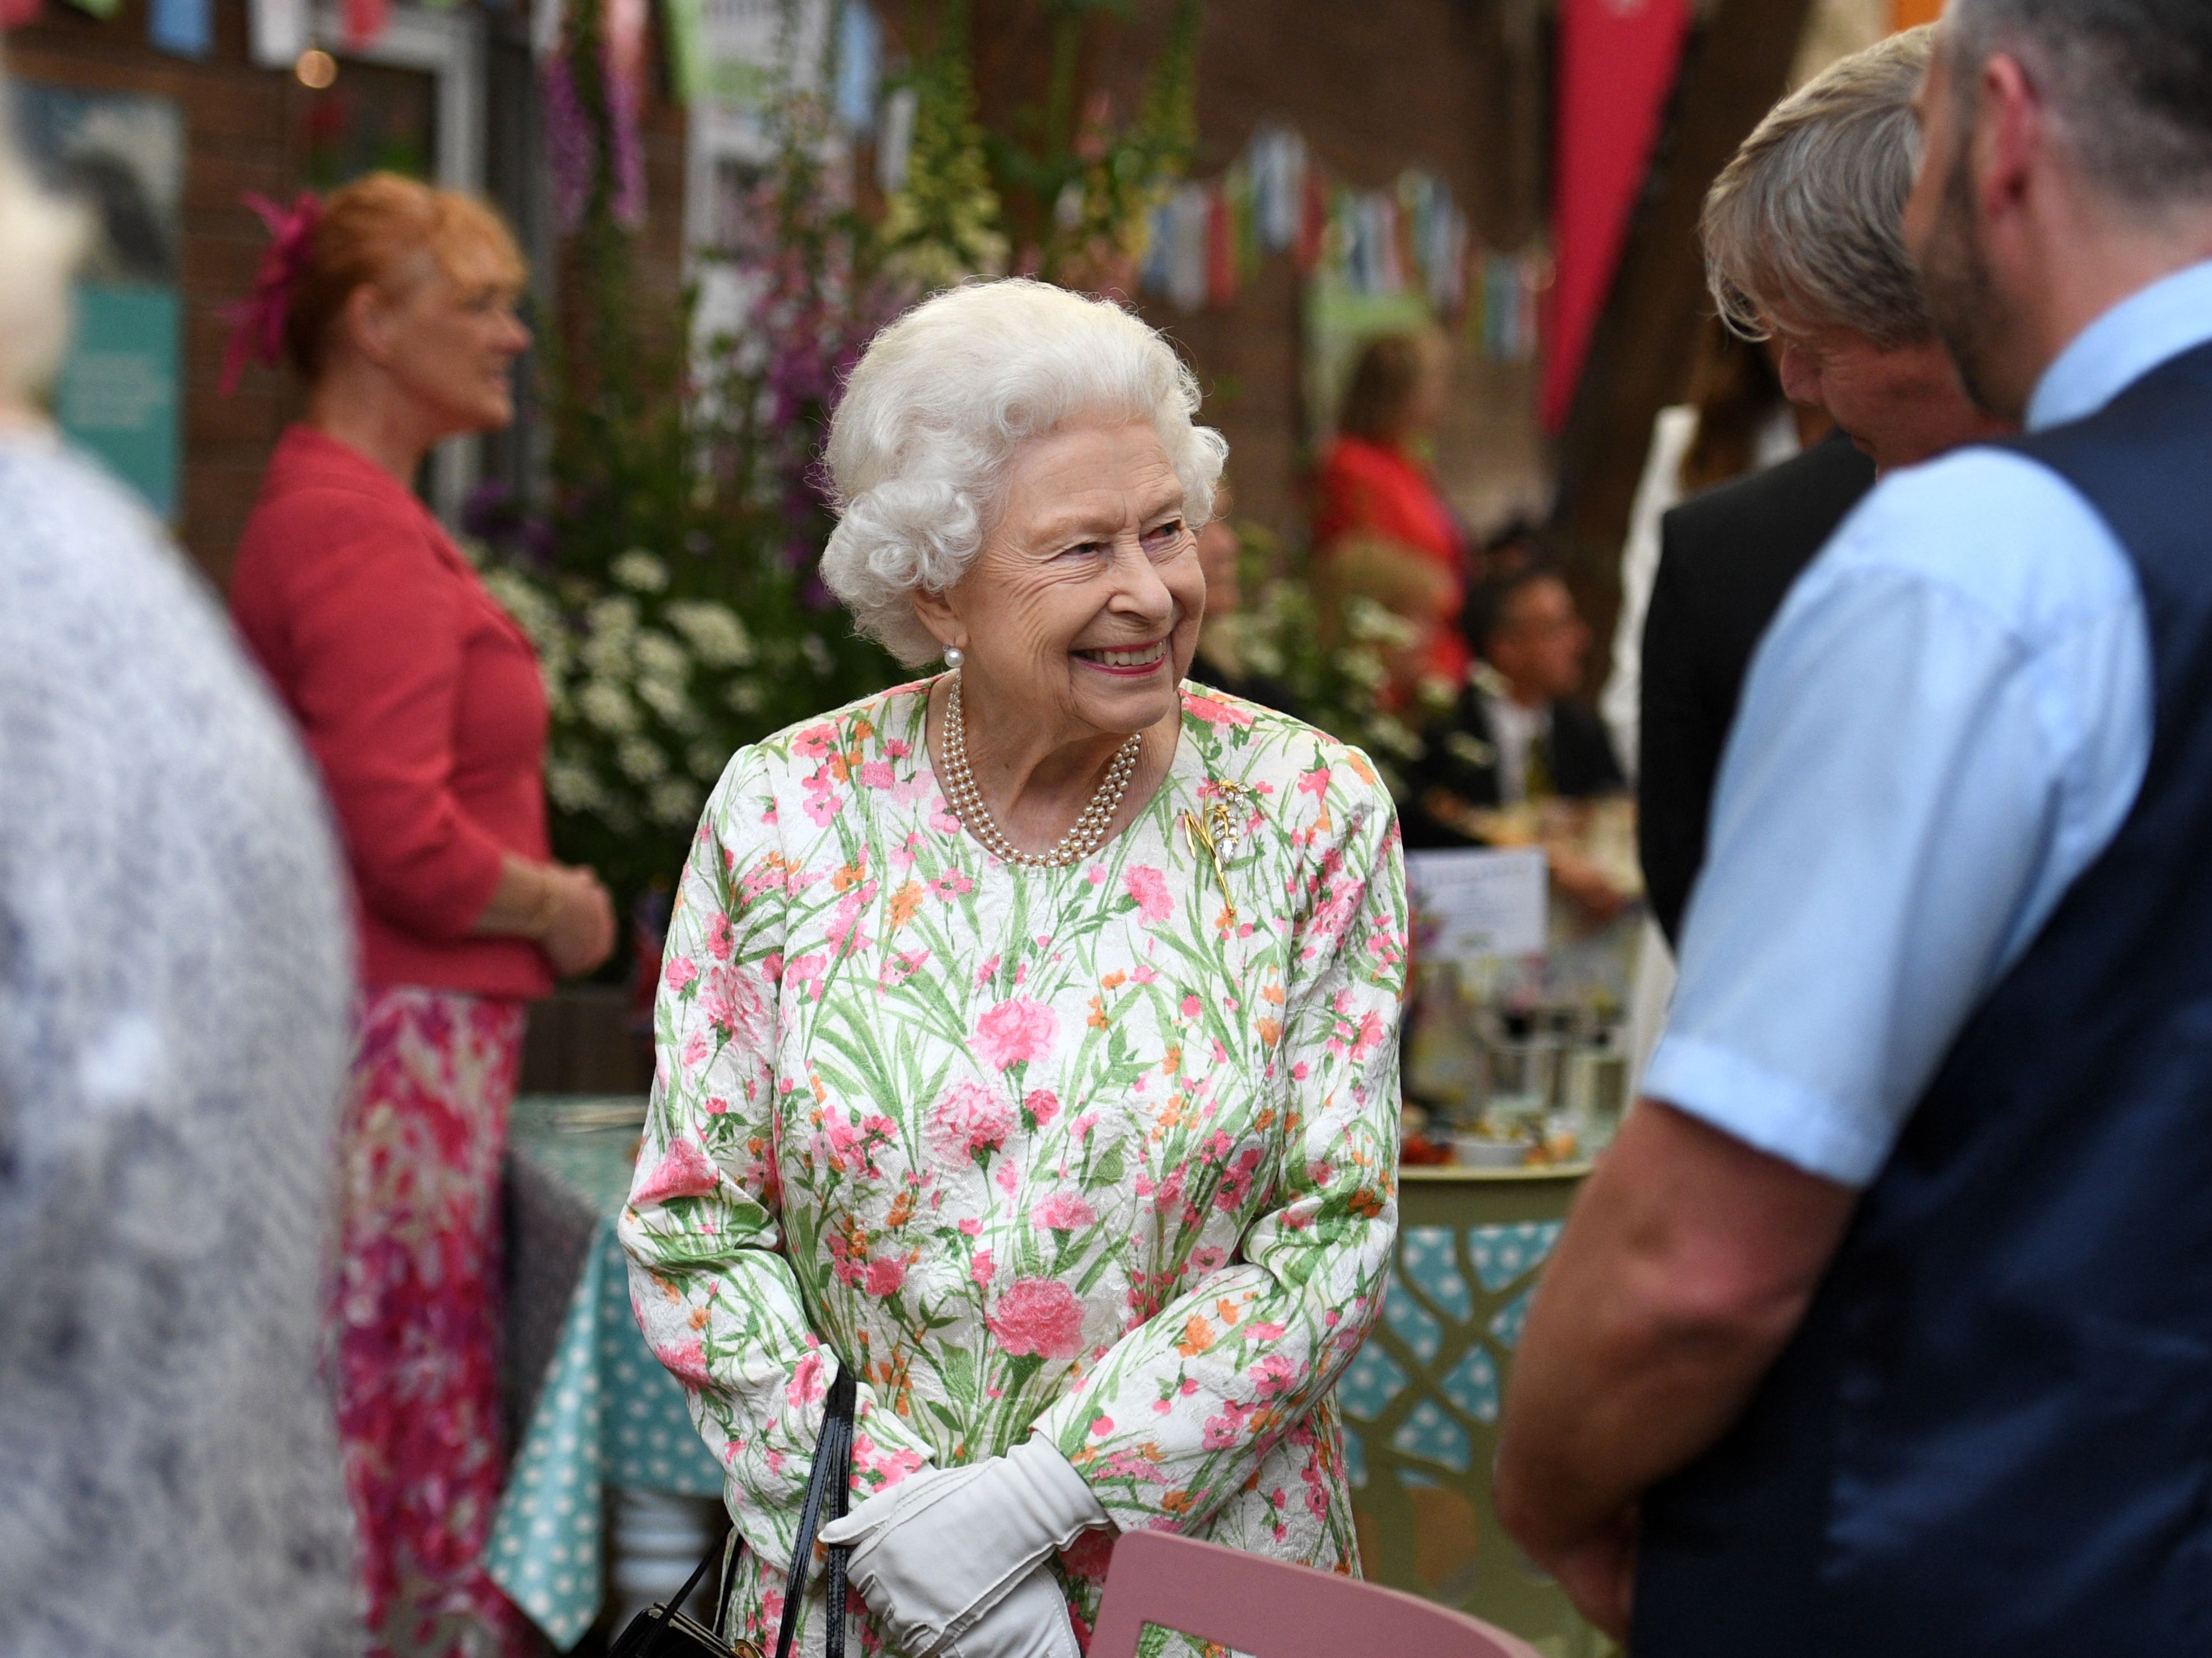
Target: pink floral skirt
pixel 414 1314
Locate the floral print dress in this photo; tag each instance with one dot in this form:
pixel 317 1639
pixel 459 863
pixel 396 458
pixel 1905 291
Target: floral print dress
pixel 1107 1152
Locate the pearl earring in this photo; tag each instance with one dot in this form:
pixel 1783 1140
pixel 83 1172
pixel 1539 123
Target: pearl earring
pixel 954 656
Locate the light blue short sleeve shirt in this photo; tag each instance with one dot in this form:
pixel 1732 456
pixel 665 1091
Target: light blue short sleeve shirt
pixel 1945 726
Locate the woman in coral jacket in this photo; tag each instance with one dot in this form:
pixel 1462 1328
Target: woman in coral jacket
pixel 1383 529
pixel 420 700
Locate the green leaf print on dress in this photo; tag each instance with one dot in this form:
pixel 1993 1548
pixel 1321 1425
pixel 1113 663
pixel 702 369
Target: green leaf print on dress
pixel 1106 1152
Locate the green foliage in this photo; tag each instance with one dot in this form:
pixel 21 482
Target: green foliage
pixel 943 222
pixel 669 577
pixel 1279 635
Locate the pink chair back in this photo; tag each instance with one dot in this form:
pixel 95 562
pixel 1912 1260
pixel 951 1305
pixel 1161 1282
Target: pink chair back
pixel 1272 1609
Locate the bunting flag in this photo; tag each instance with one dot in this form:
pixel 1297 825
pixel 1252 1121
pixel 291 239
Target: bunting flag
pixel 277 32
pixel 186 27
pixel 362 21
pixel 14 14
pixel 1617 62
pixel 1206 241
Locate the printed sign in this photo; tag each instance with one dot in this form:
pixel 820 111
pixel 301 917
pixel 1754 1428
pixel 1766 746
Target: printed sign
pixel 1477 902
pixel 122 155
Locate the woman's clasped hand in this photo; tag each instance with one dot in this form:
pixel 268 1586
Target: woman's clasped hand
pixel 951 1560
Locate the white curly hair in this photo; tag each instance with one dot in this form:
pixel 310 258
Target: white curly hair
pixel 936 408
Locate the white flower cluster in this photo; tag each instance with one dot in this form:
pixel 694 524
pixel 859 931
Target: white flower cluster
pixel 638 686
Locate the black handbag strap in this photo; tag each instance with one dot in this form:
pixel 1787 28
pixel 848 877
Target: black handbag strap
pixel 827 1487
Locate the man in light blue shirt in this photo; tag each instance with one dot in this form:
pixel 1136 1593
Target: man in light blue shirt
pixel 1948 724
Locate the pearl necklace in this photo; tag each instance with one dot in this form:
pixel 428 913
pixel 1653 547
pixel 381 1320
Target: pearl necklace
pixel 1084 837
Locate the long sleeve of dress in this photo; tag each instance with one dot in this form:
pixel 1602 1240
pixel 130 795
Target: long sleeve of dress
pixel 717 1299
pixel 1177 1417
pixel 376 635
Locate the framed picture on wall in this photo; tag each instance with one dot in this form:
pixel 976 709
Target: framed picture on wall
pixel 122 155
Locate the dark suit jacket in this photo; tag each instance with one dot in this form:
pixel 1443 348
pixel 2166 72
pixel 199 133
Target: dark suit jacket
pixel 1727 559
pixel 1461 758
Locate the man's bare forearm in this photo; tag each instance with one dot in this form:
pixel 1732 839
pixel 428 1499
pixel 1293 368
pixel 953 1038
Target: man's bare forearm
pixel 1685 1267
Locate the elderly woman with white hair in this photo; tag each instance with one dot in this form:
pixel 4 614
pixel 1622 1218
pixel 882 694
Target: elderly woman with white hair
pixel 1028 1035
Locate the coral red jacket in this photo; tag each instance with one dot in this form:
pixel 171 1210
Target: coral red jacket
pixel 419 697
pixel 1363 486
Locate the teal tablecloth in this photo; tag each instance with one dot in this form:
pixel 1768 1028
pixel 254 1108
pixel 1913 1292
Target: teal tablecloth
pixel 607 1414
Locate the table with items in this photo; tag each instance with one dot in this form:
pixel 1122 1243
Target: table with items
pixel 609 1428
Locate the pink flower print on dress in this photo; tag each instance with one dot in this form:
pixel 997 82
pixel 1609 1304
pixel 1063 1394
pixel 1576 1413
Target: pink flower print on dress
pixel 971 1121
pixel 1039 1317
pixel 1087 1557
pixel 680 972
pixel 1016 1032
pixel 1063 1211
pixel 687 1360
pixel 1149 888
pixel 684 1172
pixel 1043 1105
pixel 846 933
pixel 733 1004
pixel 808 970
pixel 1226 1429
pixel 982 1267
pixel 718 935
pixel 806 1383
pixel 884 1277
pixel 888 1469
pixel 1274 1375
pixel 1215 714
pixel 876 774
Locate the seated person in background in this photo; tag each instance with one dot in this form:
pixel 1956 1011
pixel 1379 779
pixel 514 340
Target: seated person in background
pixel 1381 528
pixel 1513 739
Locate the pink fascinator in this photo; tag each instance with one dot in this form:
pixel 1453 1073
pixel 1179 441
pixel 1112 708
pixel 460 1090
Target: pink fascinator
pixel 257 324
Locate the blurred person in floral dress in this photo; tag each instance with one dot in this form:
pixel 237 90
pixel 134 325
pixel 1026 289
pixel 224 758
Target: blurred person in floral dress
pixel 420 700
pixel 1028 1035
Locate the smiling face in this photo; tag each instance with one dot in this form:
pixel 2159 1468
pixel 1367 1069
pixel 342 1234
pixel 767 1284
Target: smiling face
pixel 448 339
pixel 1080 612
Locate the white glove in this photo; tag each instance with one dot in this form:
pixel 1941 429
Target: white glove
pixel 936 1553
pixel 1031 1621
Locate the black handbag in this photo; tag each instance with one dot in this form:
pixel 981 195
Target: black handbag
pixel 664 1631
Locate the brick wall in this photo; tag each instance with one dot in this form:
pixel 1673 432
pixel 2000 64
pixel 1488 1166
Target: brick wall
pixel 246 130
pixel 1456 86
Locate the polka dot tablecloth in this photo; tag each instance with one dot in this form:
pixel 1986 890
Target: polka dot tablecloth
pixel 607 1414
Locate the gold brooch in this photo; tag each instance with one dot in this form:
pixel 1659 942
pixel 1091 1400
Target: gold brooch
pixel 1217 829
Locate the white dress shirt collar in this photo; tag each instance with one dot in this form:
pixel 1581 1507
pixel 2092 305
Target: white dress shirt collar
pixel 2151 326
